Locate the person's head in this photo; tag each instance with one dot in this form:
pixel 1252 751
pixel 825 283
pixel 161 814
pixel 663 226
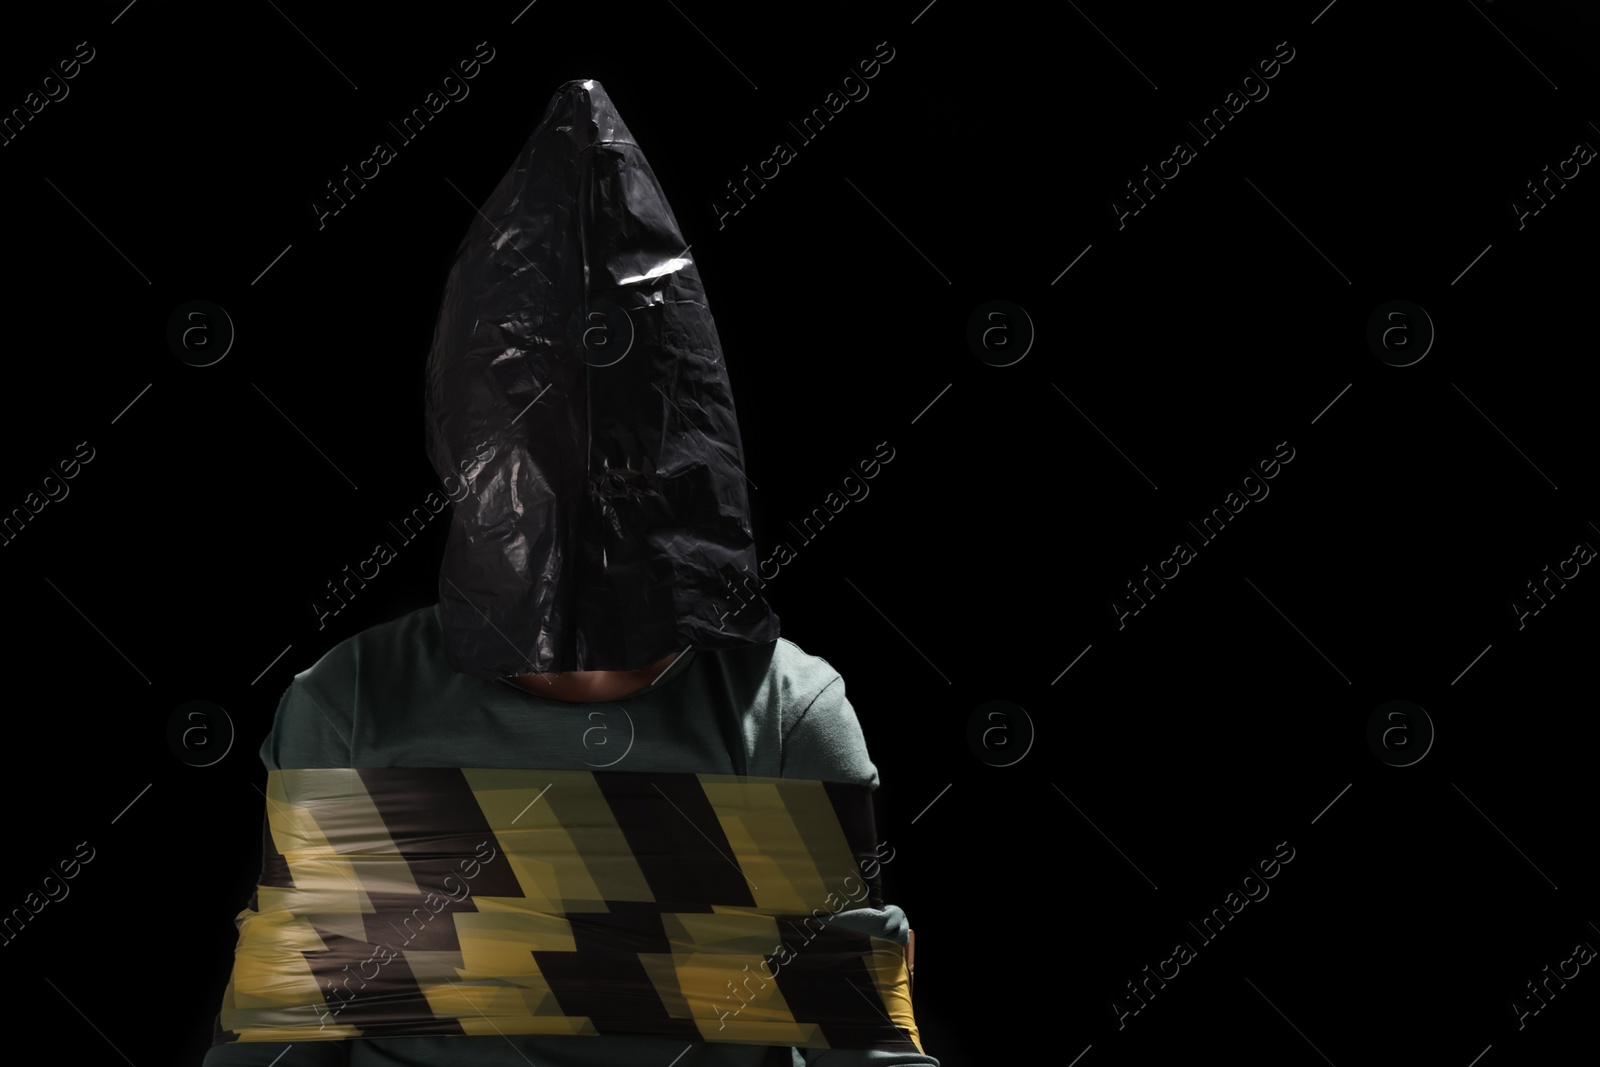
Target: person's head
pixel 578 398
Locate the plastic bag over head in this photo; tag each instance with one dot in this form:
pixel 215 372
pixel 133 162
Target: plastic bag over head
pixel 579 411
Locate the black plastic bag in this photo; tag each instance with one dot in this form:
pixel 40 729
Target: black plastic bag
pixel 580 413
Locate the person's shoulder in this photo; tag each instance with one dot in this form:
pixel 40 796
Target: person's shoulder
pixel 777 675
pixel 820 734
pixel 804 676
pixel 315 724
pixel 385 649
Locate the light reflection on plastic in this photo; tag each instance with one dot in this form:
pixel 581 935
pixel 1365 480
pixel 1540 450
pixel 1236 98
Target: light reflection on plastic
pixel 655 272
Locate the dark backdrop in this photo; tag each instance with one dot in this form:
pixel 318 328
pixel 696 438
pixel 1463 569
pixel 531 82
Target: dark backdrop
pixel 1146 362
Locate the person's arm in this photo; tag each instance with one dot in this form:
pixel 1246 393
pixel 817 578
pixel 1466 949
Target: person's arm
pixel 825 742
pixel 303 734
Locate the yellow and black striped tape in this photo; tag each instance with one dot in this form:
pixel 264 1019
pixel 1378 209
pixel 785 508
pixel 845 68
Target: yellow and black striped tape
pixel 418 901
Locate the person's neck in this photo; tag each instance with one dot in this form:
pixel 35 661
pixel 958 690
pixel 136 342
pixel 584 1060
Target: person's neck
pixel 585 687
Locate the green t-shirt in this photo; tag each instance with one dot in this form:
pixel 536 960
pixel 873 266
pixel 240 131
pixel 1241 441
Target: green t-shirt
pixel 388 697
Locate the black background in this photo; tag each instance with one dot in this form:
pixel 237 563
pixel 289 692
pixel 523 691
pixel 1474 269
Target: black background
pixel 1226 717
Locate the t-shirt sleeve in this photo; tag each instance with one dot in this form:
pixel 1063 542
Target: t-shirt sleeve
pixel 308 731
pixel 825 741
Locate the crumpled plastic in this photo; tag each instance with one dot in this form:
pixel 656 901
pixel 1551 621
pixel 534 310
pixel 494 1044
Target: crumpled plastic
pixel 579 410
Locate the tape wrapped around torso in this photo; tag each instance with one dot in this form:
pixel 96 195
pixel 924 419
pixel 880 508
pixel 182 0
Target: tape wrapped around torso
pixel 411 901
